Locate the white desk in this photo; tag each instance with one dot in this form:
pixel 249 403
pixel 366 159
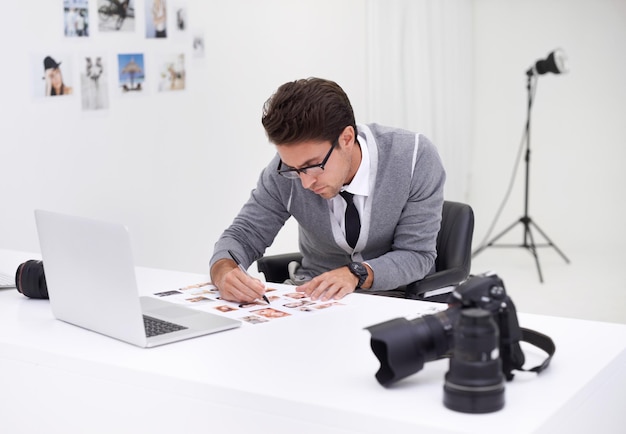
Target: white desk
pixel 304 375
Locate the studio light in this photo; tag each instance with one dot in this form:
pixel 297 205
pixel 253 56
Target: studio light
pixel 555 63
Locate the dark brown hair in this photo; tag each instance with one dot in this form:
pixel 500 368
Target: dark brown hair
pixel 307 109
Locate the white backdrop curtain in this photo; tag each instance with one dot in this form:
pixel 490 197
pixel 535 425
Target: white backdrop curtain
pixel 420 76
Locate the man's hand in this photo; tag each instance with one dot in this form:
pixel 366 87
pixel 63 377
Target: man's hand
pixel 334 284
pixel 234 284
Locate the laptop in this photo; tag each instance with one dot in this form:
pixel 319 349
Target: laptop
pixel 6 281
pixel 90 274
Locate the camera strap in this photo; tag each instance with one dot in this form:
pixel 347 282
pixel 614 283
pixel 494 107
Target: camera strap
pixel 542 342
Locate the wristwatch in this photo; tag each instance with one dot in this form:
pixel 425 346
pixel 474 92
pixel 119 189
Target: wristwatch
pixel 360 271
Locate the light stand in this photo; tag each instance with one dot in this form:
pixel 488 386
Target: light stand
pixel 553 63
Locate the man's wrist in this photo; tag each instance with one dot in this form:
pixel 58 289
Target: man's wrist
pixel 370 277
pixel 220 268
pixel 360 271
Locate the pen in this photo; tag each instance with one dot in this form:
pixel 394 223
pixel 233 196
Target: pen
pixel 232 255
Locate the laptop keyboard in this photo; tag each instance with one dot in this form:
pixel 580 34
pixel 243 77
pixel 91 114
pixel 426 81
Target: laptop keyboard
pixel 156 327
pixel 7 281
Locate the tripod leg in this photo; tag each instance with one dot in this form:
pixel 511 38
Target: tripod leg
pixel 496 238
pixel 533 249
pixel 550 242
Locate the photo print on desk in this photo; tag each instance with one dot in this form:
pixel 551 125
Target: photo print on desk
pixel 131 72
pixel 116 15
pixel 76 18
pixel 285 303
pixel 199 299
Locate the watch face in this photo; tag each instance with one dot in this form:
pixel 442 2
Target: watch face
pixel 358 270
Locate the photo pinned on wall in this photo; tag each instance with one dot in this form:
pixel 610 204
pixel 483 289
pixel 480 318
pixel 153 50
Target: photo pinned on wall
pixel 198 46
pixel 116 15
pixel 52 75
pixel 131 72
pixel 179 11
pixel 76 18
pixel 172 73
pixel 94 83
pixel 156 19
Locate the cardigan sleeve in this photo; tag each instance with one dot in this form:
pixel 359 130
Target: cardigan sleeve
pixel 413 249
pixel 258 221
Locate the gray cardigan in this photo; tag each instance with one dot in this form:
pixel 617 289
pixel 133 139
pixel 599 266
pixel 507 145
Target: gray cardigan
pixel 403 212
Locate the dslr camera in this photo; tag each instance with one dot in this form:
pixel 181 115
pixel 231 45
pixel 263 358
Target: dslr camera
pixel 479 333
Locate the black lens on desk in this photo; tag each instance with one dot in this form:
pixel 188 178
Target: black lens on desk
pixel 30 279
pixel 475 383
pixel 403 346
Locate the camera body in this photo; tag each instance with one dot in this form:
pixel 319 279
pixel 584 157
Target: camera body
pixel 480 334
pixel 488 293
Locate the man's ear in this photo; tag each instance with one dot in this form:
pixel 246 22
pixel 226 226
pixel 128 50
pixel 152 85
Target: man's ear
pixel 347 138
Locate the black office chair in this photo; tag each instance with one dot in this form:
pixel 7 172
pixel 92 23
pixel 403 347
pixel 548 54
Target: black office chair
pixel 452 266
pixel 454 251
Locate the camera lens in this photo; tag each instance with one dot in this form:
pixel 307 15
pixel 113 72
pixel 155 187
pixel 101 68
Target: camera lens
pixel 403 346
pixel 30 279
pixel 475 383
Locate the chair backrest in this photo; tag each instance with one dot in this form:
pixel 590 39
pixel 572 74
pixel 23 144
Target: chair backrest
pixel 454 250
pixel 276 267
pixel 454 253
pixel 454 241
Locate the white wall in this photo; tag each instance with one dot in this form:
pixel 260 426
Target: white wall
pixel 174 167
pixel 177 167
pixel 420 76
pixel 578 128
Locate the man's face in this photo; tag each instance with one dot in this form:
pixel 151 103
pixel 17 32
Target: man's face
pixel 328 182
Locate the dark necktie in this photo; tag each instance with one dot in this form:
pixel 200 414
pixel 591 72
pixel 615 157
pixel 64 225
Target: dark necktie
pixel 353 222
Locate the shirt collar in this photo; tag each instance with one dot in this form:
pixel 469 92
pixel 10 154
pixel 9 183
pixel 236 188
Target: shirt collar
pixel 360 183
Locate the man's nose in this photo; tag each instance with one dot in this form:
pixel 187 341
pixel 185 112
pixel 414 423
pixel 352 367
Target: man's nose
pixel 307 180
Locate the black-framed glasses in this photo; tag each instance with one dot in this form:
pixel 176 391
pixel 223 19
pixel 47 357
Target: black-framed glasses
pixel 313 170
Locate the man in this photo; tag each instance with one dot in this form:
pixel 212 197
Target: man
pixel 396 177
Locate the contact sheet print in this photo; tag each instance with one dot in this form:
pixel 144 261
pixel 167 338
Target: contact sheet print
pixel 285 302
